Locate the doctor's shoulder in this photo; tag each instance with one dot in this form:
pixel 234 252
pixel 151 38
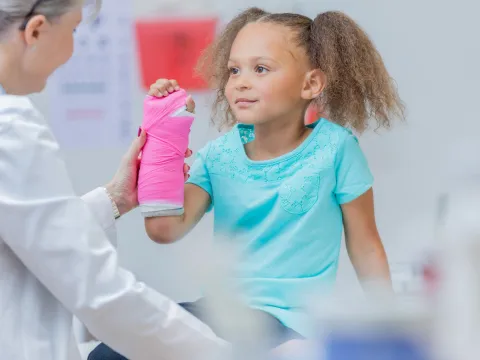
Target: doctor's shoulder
pixel 18 110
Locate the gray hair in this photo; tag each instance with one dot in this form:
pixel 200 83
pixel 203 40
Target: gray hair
pixel 14 11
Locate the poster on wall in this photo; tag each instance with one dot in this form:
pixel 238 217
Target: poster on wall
pixel 182 42
pixel 91 96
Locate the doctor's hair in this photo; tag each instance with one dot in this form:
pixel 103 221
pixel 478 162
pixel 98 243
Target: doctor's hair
pixel 359 87
pixel 18 12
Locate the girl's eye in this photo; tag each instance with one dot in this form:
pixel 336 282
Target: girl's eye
pixel 233 71
pixel 261 69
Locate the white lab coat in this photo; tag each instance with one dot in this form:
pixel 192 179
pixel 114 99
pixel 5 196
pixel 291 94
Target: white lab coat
pixel 56 260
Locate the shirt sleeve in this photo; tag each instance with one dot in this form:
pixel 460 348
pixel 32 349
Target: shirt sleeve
pixel 100 205
pixel 199 173
pixel 55 235
pixel 353 176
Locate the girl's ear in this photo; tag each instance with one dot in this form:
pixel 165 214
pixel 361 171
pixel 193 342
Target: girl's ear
pixel 315 82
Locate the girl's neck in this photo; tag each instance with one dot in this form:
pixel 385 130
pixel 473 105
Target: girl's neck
pixel 276 138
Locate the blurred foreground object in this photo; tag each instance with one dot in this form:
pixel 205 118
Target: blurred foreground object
pixel 380 326
pixel 214 268
pixel 458 287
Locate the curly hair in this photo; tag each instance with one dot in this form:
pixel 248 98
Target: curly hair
pixel 359 87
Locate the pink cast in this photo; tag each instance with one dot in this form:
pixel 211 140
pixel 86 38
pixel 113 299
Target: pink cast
pixel 161 177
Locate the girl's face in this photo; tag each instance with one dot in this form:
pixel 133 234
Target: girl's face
pixel 268 72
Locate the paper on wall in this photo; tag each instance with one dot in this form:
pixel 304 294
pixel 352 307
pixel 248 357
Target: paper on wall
pixel 91 96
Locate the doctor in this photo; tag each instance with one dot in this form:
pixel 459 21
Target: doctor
pixel 56 260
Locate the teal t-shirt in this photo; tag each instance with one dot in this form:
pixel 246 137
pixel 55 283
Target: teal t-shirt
pixel 283 214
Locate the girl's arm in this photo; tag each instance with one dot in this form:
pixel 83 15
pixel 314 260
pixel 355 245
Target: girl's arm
pixel 168 229
pixel 364 245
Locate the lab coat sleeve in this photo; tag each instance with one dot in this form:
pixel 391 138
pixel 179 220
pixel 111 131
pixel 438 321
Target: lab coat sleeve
pixel 55 235
pixel 101 207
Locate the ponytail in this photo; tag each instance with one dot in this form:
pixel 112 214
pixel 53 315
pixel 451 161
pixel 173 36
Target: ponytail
pixel 359 87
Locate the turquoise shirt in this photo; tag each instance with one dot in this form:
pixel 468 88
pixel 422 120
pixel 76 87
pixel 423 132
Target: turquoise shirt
pixel 283 214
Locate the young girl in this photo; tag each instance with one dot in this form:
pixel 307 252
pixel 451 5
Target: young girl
pixel 283 191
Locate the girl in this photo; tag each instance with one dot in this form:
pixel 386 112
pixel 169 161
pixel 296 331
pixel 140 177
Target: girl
pixel 283 191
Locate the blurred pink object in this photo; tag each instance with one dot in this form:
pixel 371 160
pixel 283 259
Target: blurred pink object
pixel 161 177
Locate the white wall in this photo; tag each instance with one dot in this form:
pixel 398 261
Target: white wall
pixel 429 48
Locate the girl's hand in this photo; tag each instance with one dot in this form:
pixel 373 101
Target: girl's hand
pixel 164 87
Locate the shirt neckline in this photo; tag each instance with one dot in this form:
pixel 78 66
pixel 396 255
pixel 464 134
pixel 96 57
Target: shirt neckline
pixel 316 127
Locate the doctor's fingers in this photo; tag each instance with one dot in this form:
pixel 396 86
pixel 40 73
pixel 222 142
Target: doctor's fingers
pixel 136 147
pixel 190 104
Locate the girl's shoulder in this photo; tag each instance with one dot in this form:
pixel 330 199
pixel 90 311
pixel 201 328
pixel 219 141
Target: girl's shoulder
pixel 233 139
pixel 331 136
pixel 228 143
pixel 332 129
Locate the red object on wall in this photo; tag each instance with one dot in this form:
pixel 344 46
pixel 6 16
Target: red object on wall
pixel 170 49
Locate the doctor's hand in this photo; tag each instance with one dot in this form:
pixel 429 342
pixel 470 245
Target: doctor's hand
pixel 123 187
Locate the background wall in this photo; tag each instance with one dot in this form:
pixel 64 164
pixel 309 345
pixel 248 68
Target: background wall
pixel 429 49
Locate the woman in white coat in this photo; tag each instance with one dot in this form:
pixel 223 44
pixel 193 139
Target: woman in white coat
pixel 56 259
